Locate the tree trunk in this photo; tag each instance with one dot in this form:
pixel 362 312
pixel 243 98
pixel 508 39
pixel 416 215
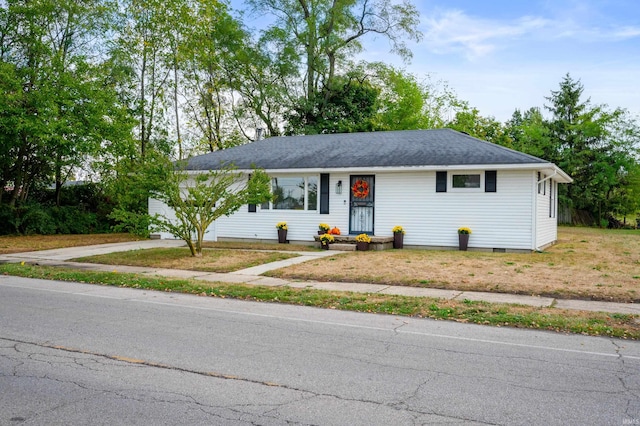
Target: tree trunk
pixel 143 70
pixel 175 105
pixel 192 248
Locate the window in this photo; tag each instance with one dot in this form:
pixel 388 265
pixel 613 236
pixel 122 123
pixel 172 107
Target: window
pixel 293 193
pixel 553 188
pixel 539 184
pixel 466 181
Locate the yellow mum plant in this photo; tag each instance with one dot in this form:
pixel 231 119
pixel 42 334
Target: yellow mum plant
pixel 398 229
pixel 363 238
pixel 326 238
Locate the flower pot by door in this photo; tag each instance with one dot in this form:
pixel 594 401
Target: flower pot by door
pixel 282 236
pixel 463 241
pixel 324 246
pixel 398 240
pixel 362 246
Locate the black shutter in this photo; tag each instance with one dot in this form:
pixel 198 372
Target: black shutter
pixel 324 193
pixel 252 207
pixel 441 181
pixel 490 179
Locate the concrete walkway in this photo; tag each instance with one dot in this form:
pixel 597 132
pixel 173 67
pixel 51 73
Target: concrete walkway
pixel 61 257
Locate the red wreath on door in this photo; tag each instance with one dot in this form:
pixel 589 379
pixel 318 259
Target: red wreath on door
pixel 360 189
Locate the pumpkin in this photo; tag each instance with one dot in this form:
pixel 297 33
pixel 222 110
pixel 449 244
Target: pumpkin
pixel 335 231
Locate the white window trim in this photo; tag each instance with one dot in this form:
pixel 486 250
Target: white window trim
pixel 465 172
pixel 306 194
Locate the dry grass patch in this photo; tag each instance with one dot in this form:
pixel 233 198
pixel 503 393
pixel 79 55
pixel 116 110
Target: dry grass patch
pixel 586 263
pixel 593 323
pixel 257 246
pixel 212 260
pixel 21 244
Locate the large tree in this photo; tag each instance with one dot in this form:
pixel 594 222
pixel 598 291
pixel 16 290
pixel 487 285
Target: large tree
pixel 319 35
pixel 595 146
pixel 213 46
pixel 350 105
pixel 468 120
pixel 59 107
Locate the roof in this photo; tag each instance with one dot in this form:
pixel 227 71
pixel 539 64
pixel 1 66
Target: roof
pixel 392 149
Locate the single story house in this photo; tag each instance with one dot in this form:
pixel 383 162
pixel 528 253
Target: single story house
pixel 430 182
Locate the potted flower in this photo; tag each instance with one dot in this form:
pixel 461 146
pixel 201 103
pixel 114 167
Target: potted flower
pixel 282 232
pixel 362 242
pixel 398 237
pixel 323 228
pixel 463 237
pixel 325 240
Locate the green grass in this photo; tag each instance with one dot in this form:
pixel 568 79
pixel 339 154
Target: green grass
pixel 615 325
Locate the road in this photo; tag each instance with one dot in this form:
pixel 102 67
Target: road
pixel 78 354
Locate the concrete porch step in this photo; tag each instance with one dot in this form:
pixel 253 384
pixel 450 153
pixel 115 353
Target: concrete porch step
pixel 343 247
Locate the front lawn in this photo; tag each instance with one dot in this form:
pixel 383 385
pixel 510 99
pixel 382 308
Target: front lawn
pixel 212 260
pixel 587 263
pixel 21 244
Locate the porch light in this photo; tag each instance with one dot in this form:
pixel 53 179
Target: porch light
pixel 339 187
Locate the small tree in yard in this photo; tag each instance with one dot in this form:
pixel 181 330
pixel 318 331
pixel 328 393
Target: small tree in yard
pixel 199 199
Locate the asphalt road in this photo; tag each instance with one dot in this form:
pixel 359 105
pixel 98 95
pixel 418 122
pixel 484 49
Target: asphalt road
pixel 77 354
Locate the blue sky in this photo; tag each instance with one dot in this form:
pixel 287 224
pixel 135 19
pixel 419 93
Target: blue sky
pixel 500 55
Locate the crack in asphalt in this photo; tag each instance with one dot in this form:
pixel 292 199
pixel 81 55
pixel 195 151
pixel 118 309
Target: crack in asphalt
pixel 628 390
pixel 237 412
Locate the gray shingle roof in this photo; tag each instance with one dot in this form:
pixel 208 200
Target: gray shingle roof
pixel 439 147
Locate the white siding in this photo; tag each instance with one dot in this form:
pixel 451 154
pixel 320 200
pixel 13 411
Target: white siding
pixel 500 219
pixel 503 219
pixel 546 227
pixel 303 225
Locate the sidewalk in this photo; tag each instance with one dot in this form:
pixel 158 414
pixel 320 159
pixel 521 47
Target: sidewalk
pixel 60 257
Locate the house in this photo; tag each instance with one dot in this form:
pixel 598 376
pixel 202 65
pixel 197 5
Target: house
pixel 431 182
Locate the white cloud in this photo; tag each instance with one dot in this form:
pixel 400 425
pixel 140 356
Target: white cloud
pixel 454 31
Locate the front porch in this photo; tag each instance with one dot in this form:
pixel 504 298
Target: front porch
pixel 348 242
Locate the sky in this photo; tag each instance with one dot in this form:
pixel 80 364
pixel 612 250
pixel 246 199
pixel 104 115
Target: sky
pixel 502 55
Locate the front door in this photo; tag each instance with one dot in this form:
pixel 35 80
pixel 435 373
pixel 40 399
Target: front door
pixel 361 204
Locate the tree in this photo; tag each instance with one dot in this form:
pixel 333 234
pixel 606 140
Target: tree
pixel 595 146
pixel 320 34
pixel 407 103
pixel 529 133
pixel 143 48
pixel 59 108
pixel 209 61
pixel 349 106
pixel 199 199
pixel 469 120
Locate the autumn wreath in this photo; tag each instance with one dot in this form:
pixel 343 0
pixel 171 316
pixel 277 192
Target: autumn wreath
pixel 360 189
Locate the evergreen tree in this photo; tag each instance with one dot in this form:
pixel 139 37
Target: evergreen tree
pixel 596 147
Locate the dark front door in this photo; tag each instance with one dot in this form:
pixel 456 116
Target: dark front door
pixel 361 204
